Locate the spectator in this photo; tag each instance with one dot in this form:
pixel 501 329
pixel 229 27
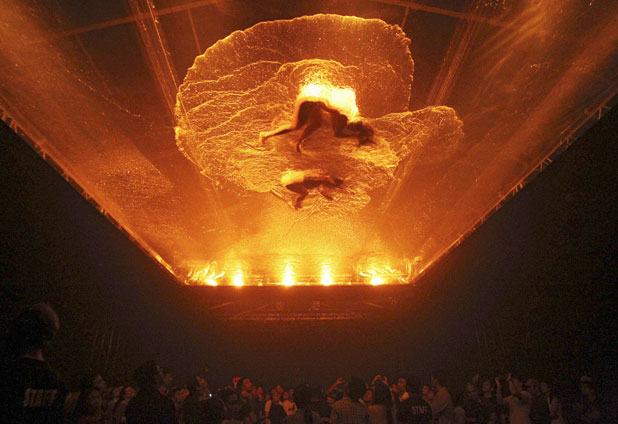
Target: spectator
pixel 31 391
pixel 213 411
pixel 349 410
pixel 381 411
pixel 245 411
pixel 428 394
pixel 519 401
pixel 89 408
pixel 555 407
pixel 127 394
pixel 168 382
pixel 288 404
pixel 414 410
pixel 460 415
pixel 488 401
pixel 401 391
pixel 193 405
pixel 232 406
pixel 539 409
pixel 319 404
pixel 110 407
pixel 587 409
pixel 442 403
pixel 273 410
pixel 472 404
pixel 178 396
pixel 303 413
pixel 149 406
pixel 258 402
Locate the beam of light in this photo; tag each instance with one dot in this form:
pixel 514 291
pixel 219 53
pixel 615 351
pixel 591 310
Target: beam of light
pixel 288 276
pixel 326 279
pixel 238 278
pixel 205 276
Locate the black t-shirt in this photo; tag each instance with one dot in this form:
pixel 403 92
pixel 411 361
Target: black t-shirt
pixel 414 410
pixel 150 407
pixel 276 413
pixel 31 392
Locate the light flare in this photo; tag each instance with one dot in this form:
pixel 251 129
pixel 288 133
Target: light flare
pixel 205 276
pixel 238 278
pixel 342 99
pixel 326 279
pixel 288 276
pixel 376 281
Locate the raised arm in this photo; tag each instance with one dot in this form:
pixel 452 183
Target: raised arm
pixel 499 398
pixel 336 384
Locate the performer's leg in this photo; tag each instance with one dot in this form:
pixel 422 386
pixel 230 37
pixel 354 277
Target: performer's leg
pixel 302 114
pixel 324 192
pixel 302 193
pixel 279 131
pixel 309 129
pixel 299 200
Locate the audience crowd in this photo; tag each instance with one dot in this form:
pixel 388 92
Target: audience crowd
pixel 32 393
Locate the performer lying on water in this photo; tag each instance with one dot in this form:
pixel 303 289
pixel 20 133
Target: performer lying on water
pixel 308 117
pixel 302 182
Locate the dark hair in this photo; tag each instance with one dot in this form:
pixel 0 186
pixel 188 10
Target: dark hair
pixel 440 377
pixel 414 384
pixel 302 398
pixel 382 396
pixel 33 328
pixel 356 388
pixel 146 376
pixel 87 381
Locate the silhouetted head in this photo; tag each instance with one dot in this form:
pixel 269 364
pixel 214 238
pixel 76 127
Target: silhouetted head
pixel 356 388
pixel 148 376
pixel 338 181
pixel 414 384
pixel 302 396
pixel 382 394
pixel 33 328
pixel 438 379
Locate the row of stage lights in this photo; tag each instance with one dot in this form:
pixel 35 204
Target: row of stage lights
pixel 209 276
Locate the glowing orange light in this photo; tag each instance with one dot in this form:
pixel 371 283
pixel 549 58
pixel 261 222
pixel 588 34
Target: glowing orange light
pixel 238 278
pixel 376 281
pixel 326 280
pixel 288 275
pixel 343 99
pixel 207 276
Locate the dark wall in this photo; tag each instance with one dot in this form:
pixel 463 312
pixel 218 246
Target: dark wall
pixel 532 289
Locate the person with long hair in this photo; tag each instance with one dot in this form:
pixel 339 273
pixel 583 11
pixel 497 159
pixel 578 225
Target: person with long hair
pixel 381 411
